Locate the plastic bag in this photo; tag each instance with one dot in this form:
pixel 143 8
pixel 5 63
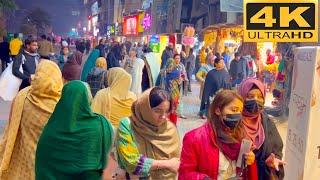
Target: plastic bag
pixel 9 83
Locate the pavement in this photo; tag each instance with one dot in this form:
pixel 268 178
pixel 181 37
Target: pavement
pixel 4 114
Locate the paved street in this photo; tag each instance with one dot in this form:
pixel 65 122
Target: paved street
pixel 4 114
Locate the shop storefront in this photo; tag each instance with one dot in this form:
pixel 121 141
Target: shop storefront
pixel 229 38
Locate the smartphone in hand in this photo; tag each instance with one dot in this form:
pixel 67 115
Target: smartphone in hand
pixel 245 148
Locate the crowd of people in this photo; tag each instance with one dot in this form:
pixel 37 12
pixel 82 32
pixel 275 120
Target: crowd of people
pixel 72 119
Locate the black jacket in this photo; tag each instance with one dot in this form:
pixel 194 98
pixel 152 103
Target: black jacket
pixel 272 144
pixel 101 47
pixel 215 80
pixel 4 51
pixel 112 61
pixel 29 65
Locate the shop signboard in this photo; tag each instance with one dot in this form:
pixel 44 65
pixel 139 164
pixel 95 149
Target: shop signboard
pixel 303 143
pixel 140 24
pixel 111 29
pixel 146 22
pixel 155 43
pixel 130 25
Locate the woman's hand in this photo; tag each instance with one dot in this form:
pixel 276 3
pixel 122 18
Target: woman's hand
pixel 274 162
pixel 173 164
pixel 249 157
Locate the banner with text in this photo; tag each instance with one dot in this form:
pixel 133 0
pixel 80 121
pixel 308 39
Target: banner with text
pixel 303 143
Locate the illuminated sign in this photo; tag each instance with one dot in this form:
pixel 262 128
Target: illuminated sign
pixel 146 22
pixel 130 25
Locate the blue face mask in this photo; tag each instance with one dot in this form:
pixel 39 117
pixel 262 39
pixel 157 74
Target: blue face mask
pixel 253 106
pixel 232 120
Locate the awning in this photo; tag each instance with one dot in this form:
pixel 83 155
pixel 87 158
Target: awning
pixel 219 26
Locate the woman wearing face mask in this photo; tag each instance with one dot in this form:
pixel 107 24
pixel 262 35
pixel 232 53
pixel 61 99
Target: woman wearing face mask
pixel 211 151
pixel 262 131
pixel 147 143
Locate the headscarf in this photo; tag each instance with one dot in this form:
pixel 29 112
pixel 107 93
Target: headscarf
pixel 72 68
pixel 73 142
pixel 89 64
pixel 172 70
pixel 101 63
pixel 39 100
pixel 156 141
pixel 115 101
pixel 228 140
pixel 46 84
pixel 253 122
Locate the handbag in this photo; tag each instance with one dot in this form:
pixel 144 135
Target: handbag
pixel 9 83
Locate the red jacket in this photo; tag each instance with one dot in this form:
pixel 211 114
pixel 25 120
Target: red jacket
pixel 200 156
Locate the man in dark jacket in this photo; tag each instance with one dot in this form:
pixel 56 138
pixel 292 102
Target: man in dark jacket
pixel 101 48
pixel 28 59
pixel 238 69
pixel 4 53
pixel 112 60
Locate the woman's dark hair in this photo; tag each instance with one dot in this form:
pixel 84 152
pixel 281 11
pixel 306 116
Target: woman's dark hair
pixel 62 48
pixel 30 40
pixel 191 50
pixel 158 96
pixel 221 100
pixel 175 55
pixel 101 41
pixel 80 46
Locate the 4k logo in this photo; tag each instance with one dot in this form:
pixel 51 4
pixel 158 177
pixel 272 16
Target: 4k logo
pixel 282 21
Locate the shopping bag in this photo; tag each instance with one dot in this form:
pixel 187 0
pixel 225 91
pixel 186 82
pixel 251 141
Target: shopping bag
pixel 9 83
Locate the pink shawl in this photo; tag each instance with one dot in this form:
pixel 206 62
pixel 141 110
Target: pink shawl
pixel 253 122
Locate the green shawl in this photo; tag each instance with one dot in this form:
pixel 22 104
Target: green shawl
pixel 75 142
pixel 90 64
pixel 281 65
